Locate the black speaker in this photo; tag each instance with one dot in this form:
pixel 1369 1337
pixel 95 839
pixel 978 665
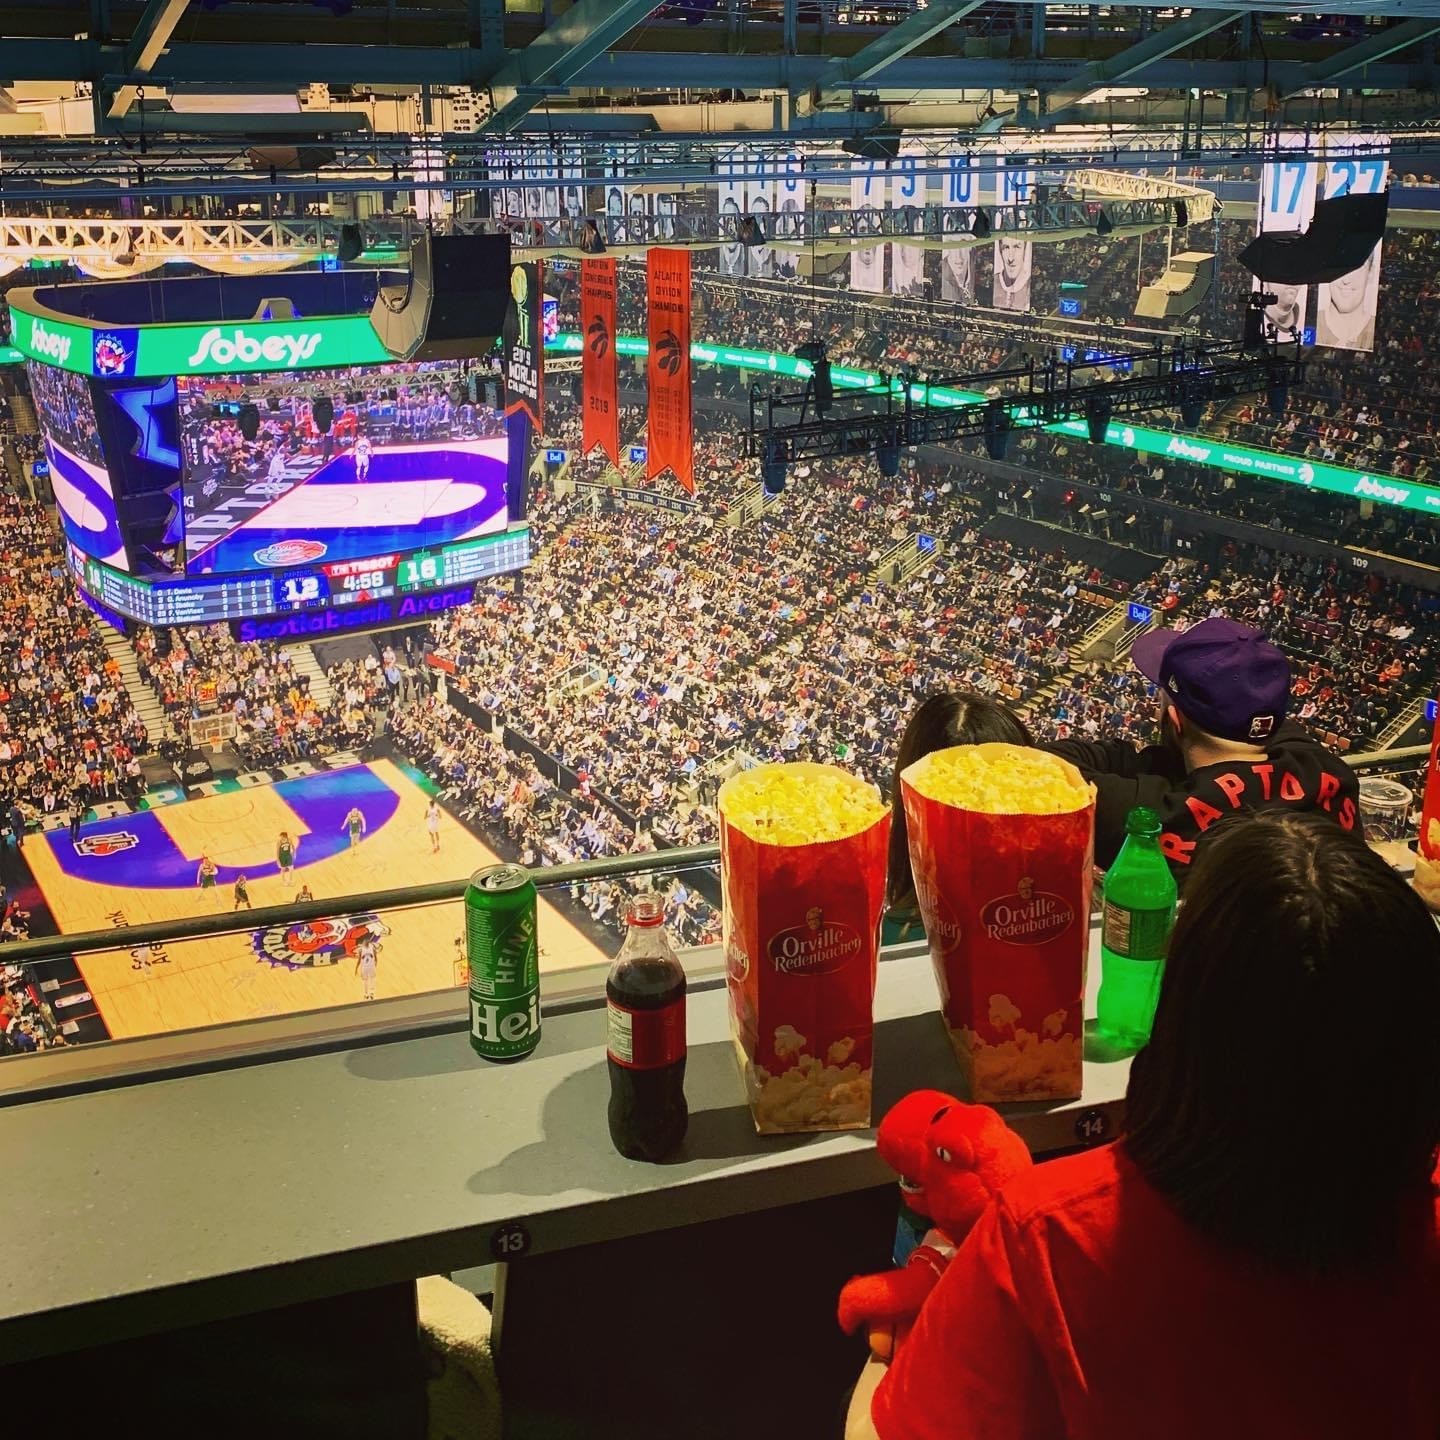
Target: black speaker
pixel 1341 237
pixel 324 413
pixel 351 245
pixel 249 421
pixel 454 306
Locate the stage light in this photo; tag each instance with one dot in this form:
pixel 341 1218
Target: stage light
pixel 1277 395
pixel 997 430
pixel 1098 410
pixel 887 456
pixel 749 232
pixel 773 466
pixel 1103 224
pixel 249 421
pixel 980 225
pixel 592 242
pixel 323 411
pixel 1182 215
pixel 1254 336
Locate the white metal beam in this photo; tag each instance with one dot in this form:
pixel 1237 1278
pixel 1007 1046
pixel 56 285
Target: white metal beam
pixel 152 34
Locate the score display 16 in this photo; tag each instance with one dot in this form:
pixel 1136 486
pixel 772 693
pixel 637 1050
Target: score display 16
pixel 354 582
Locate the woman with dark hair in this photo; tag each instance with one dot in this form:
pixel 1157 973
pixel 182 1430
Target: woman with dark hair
pixel 952 717
pixel 1260 1254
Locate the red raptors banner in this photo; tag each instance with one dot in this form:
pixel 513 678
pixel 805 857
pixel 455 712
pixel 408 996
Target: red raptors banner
pixel 601 421
pixel 525 359
pixel 668 368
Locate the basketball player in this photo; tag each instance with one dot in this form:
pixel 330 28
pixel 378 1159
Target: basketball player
pixel 242 893
pixel 462 962
pixel 205 876
pixel 303 895
pixel 285 855
pixel 367 956
pixel 362 459
pixel 432 824
pixel 355 825
pixel 275 475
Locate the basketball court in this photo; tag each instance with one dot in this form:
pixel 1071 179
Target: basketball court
pixel 143 867
pixel 451 490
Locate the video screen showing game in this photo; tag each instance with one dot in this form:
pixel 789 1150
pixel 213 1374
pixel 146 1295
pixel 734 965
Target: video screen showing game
pixel 65 408
pixel 286 469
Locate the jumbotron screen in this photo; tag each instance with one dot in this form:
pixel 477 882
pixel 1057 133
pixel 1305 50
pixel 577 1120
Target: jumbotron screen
pixel 385 460
pixel 334 500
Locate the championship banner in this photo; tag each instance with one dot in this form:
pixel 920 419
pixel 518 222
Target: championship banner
pixel 667 367
pixel 1345 312
pixel 1287 203
pixel 907 189
pixel 599 382
pixel 525 363
pixel 867 194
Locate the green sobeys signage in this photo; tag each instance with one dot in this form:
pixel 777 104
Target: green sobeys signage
pixel 1193 449
pixel 219 348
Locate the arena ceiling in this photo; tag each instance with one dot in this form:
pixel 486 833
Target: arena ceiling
pixel 84 72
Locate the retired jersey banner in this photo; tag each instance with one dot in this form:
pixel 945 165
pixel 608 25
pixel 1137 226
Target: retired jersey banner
pixel 525 362
pixel 667 367
pixel 601 420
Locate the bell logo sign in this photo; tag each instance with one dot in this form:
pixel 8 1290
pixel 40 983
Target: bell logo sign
pixel 219 348
pixel 49 343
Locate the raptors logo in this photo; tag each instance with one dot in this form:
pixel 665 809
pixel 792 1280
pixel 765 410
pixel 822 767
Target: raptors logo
pixel 315 942
pixel 111 844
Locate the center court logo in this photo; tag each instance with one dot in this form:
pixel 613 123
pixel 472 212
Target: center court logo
pixel 50 343
pixel 220 348
pixel 316 942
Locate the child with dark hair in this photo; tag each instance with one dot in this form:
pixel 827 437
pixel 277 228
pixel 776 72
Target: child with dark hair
pixel 1260 1254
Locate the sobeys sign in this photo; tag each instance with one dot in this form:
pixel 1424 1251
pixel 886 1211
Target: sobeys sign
pixel 214 349
pixel 220 349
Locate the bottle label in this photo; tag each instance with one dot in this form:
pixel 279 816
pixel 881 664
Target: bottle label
pixel 645 1039
pixel 1137 934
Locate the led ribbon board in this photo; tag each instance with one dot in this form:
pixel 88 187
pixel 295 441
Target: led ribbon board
pixel 1193 449
pixel 115 352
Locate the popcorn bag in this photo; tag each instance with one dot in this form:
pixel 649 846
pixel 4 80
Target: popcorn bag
pixel 1001 848
pixel 1427 853
pixel 802 871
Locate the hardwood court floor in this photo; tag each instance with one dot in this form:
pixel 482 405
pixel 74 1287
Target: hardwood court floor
pixel 141 868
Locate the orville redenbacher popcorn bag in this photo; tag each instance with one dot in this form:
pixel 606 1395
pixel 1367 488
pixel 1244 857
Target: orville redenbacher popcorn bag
pixel 1001 848
pixel 1427 852
pixel 802 869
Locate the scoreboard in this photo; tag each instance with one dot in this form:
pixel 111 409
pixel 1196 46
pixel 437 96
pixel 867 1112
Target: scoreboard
pixel 340 585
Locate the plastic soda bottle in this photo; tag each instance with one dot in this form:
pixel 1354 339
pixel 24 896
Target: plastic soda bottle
pixel 1139 899
pixel 645 1011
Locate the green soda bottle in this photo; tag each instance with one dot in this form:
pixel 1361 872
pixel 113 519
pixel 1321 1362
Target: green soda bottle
pixel 1134 932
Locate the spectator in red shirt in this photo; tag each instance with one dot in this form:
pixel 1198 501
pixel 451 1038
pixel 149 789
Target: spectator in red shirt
pixel 1260 1255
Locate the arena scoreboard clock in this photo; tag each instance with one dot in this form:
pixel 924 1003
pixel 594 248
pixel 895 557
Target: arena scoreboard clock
pixel 368 592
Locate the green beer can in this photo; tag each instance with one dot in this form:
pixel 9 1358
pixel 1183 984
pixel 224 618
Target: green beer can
pixel 504 962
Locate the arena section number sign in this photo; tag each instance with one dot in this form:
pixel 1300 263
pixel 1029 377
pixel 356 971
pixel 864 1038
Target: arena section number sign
pixel 120 352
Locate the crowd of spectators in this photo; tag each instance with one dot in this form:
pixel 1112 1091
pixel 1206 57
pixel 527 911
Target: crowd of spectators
pixel 69 733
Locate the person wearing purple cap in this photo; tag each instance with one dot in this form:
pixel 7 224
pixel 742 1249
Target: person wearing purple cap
pixel 1225 744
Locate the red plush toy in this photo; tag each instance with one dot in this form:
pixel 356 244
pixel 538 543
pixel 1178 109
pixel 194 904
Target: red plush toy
pixel 951 1157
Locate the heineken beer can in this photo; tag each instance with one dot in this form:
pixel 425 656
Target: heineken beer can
pixel 504 962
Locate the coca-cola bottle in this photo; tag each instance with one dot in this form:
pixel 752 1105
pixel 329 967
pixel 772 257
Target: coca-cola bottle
pixel 645 1008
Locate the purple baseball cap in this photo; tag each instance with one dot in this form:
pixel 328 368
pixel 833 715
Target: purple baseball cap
pixel 1227 678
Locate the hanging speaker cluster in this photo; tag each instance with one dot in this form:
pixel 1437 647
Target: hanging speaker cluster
pixel 1341 237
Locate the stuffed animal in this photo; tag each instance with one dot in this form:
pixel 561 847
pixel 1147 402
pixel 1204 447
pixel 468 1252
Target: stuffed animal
pixel 951 1157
